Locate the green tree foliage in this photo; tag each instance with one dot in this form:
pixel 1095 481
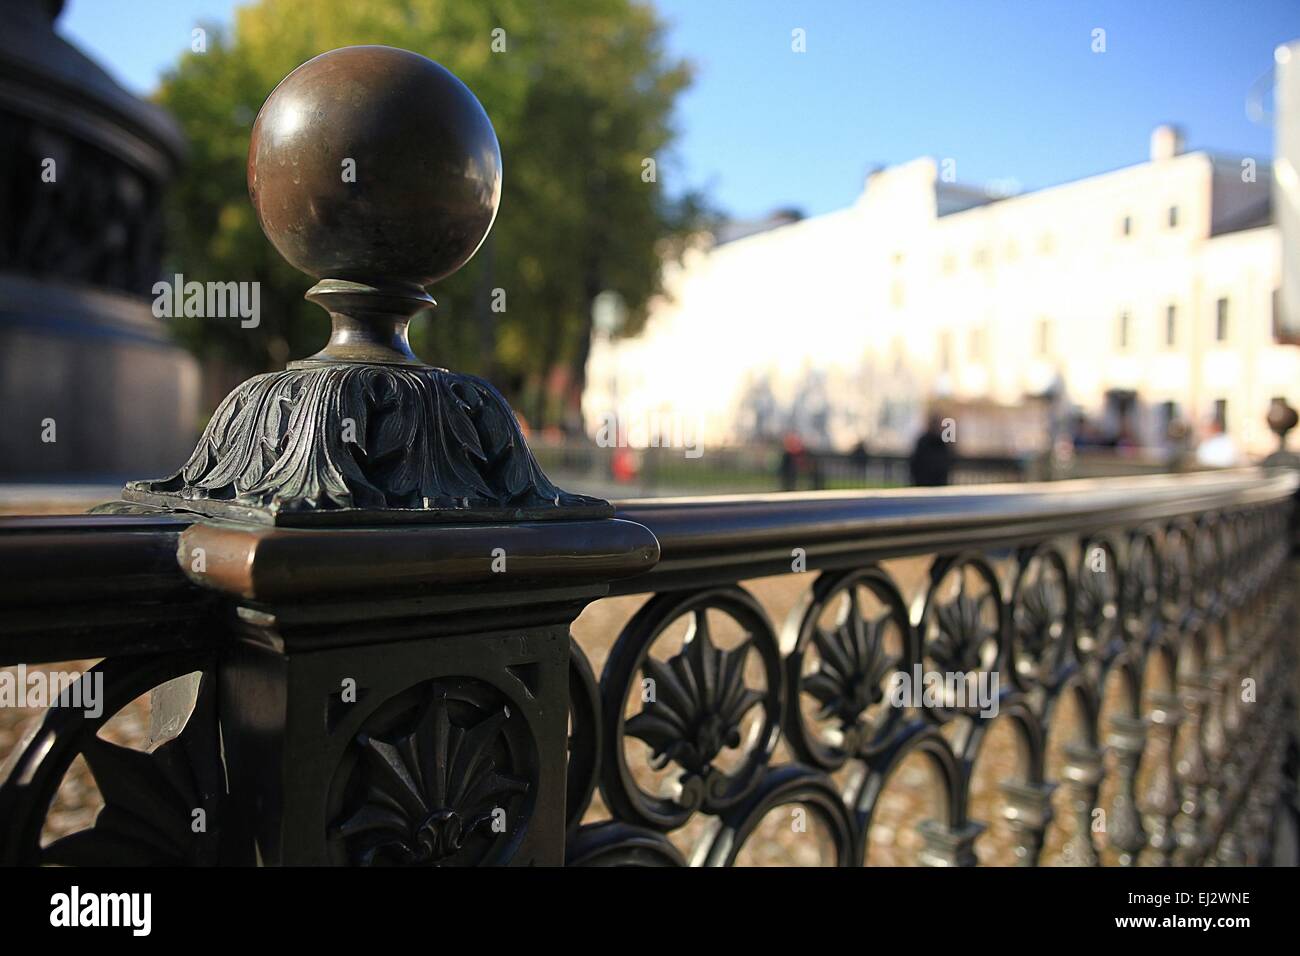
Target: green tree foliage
pixel 580 97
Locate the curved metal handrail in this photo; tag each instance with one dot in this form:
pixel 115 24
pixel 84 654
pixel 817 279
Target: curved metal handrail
pixel 708 539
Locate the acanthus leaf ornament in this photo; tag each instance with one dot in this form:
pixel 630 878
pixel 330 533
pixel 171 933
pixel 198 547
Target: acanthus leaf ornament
pixel 316 443
pixel 853 664
pixel 427 790
pixel 849 636
pixel 960 636
pixel 709 716
pixel 1040 617
pixel 701 700
pixel 962 625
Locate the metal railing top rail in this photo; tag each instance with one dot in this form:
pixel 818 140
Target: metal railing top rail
pixel 61 559
pixel 50 565
pixel 78 586
pixel 706 540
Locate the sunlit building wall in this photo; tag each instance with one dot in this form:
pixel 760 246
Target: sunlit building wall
pixel 1146 292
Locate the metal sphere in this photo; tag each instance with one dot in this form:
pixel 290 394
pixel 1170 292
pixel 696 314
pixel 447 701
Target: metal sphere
pixel 374 164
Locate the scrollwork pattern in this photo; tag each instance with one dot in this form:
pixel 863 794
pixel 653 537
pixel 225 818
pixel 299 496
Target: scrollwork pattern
pixel 1076 614
pixel 963 631
pixel 1041 605
pixel 692 707
pixel 842 666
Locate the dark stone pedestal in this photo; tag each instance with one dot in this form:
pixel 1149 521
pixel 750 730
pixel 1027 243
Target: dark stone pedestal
pixel 95 371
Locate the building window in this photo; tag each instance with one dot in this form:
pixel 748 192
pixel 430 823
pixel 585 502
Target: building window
pixel 1045 244
pixel 1221 320
pixel 1171 325
pixel 981 257
pixel 1221 414
pixel 1168 415
pixel 949 264
pixel 1126 226
pixel 1123 335
pixel 1173 217
pixel 1044 336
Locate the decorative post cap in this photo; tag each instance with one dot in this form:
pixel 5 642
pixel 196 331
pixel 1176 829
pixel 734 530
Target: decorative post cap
pixel 376 171
pixel 1281 419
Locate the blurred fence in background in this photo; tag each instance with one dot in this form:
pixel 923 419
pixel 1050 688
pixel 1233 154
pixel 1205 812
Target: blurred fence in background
pixel 625 472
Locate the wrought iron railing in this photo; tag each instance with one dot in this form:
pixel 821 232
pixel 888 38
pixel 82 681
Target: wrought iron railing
pixel 1174 592
pixel 365 620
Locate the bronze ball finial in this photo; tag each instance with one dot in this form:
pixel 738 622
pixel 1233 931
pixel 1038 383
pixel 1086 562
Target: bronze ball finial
pixel 376 171
pixel 1281 419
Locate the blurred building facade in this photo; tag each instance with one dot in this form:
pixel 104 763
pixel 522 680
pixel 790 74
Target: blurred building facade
pixel 1137 297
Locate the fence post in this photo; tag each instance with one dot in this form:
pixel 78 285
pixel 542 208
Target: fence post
pixel 398 575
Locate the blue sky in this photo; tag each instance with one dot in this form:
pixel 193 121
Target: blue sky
pixel 1010 89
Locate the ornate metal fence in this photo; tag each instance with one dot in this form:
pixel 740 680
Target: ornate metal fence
pixel 1185 612
pixel 353 609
